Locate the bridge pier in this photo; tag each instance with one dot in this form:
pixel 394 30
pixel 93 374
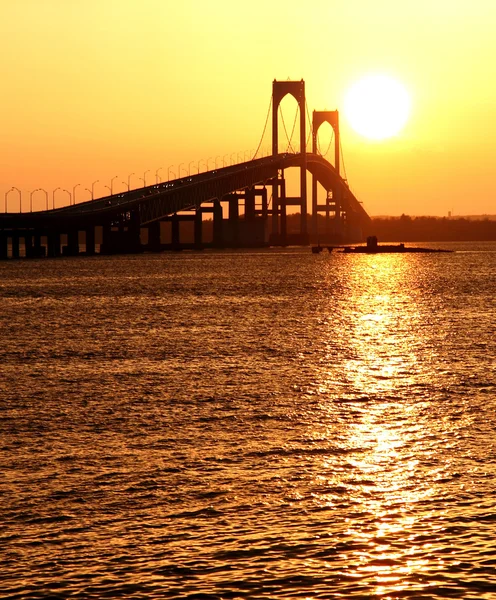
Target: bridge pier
pixel 122 237
pixel 72 248
pixel 279 213
pixel 198 229
pixel 28 244
pixel 37 250
pixel 233 219
pixel 53 244
pixel 4 244
pixel 154 237
pixel 90 240
pixel 218 240
pixel 175 236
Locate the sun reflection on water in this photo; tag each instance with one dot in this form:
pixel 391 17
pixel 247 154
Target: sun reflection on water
pixel 385 437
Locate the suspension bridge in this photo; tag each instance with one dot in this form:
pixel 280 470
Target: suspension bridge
pixel 247 203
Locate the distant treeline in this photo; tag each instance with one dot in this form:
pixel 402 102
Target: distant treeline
pixel 433 229
pixel 420 229
pixel 387 229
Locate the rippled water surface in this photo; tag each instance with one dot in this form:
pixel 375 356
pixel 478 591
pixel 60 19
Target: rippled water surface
pixel 269 424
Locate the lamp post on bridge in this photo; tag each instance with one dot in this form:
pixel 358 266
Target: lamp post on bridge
pixel 6 194
pixel 53 196
pixel 179 170
pixel 198 165
pixel 20 197
pixel 143 179
pixel 46 196
pixel 216 161
pixel 93 188
pixel 240 160
pixel 70 196
pixel 157 178
pixel 112 184
pixel 224 160
pixel 129 181
pixel 169 171
pixel 189 167
pixel 74 193
pixel 231 158
pixel 208 159
pixel 31 199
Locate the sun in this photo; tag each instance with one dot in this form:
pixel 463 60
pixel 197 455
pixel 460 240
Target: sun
pixel 377 106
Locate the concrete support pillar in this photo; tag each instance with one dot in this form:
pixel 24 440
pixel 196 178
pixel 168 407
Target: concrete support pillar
pixel 315 220
pixel 284 227
pixel 38 250
pixel 15 245
pixel 198 229
pixel 4 245
pixel 275 208
pixel 53 243
pixel 218 233
pixel 106 245
pixel 154 236
pixel 265 206
pixel 28 244
pixel 249 204
pixel 132 242
pixel 90 240
pixel 233 216
pixel 73 242
pixel 175 232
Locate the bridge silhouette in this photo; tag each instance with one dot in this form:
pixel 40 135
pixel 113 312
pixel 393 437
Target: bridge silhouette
pixel 119 219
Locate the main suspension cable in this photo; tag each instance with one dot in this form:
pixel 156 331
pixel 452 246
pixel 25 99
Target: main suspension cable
pixel 328 147
pixel 265 127
pixel 310 125
pixel 342 159
pixel 285 130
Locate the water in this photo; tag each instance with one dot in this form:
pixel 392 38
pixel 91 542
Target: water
pixel 269 424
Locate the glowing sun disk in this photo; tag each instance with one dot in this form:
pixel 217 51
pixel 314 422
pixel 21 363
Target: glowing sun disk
pixel 377 106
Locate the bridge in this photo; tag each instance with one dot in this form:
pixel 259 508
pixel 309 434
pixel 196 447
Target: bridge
pixel 243 214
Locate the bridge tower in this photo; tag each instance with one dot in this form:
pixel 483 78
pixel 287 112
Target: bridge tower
pixel 279 91
pixel 333 202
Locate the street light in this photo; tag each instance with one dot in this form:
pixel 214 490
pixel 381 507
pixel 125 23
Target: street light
pixel 20 197
pixel 112 184
pixel 231 157
pixel 198 165
pixel 129 181
pixel 143 179
pixel 88 190
pixel 169 171
pixel 46 196
pixel 239 159
pixel 74 193
pixel 6 194
pixel 208 159
pixel 224 160
pixel 53 197
pixel 179 170
pixel 93 188
pixel 31 199
pixel 70 196
pixel 216 161
pixel 189 167
pixel 156 175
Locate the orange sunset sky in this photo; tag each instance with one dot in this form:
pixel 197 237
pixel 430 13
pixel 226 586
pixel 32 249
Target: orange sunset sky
pixel 92 89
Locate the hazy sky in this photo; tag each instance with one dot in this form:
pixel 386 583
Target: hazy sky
pixel 97 88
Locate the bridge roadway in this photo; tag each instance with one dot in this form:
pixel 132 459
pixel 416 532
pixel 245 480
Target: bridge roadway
pixel 157 201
